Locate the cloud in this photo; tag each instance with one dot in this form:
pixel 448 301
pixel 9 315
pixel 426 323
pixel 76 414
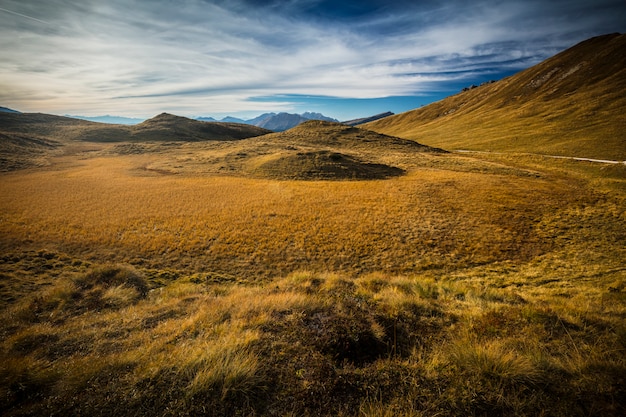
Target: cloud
pixel 140 57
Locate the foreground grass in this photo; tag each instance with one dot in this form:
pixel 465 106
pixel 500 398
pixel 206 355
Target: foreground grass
pixel 443 292
pixel 97 343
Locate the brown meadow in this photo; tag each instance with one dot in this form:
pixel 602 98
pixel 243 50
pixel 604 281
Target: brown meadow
pixel 487 285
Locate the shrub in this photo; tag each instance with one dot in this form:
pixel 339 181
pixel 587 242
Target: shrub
pixel 113 276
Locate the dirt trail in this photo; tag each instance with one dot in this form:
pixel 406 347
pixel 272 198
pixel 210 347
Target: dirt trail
pixel 602 161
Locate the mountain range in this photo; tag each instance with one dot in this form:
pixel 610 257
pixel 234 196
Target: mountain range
pixel 7 110
pixel 278 122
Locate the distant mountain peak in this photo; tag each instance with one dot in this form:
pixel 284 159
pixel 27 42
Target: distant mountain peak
pixel 284 121
pixel 277 121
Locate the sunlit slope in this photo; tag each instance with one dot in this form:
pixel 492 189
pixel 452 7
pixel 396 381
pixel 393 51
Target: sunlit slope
pixel 572 104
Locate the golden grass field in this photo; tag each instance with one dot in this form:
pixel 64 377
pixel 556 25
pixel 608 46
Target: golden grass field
pixel 171 279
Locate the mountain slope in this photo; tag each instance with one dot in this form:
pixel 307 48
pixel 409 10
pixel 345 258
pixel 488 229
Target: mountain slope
pixel 572 104
pixel 285 121
pixel 281 122
pixel 363 120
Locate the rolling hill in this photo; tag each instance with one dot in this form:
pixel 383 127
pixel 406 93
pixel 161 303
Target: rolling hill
pixel 168 127
pixel 26 138
pixel 325 150
pixel 572 104
pixel 164 127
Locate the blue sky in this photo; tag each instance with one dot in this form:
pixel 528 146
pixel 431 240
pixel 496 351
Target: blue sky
pixel 346 59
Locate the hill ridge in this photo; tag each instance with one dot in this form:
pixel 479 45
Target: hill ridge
pixel 26 139
pixel 571 104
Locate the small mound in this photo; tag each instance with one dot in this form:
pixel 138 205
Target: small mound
pixel 324 165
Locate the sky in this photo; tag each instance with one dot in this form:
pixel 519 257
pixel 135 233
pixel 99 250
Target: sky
pixel 345 59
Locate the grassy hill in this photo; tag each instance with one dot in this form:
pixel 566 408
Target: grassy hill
pixel 328 150
pixel 27 139
pixel 164 127
pixel 167 127
pixel 572 104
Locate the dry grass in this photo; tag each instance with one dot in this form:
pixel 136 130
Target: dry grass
pixel 233 226
pixel 469 286
pixel 314 344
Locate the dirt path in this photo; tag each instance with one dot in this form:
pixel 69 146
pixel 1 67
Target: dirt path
pixel 602 161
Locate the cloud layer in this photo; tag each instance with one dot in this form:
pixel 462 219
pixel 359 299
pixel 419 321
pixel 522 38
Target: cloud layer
pixel 199 57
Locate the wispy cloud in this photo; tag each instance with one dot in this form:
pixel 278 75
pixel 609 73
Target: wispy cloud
pixel 141 57
pixel 24 16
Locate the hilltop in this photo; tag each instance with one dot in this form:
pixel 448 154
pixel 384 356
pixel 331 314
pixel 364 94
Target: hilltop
pixel 572 104
pixel 322 133
pixel 170 127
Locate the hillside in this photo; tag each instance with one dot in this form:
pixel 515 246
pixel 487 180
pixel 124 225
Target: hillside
pixel 168 127
pixel 319 149
pixel 164 127
pixel 27 138
pixel 187 278
pixel 572 104
pixel 363 120
pixel 322 133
